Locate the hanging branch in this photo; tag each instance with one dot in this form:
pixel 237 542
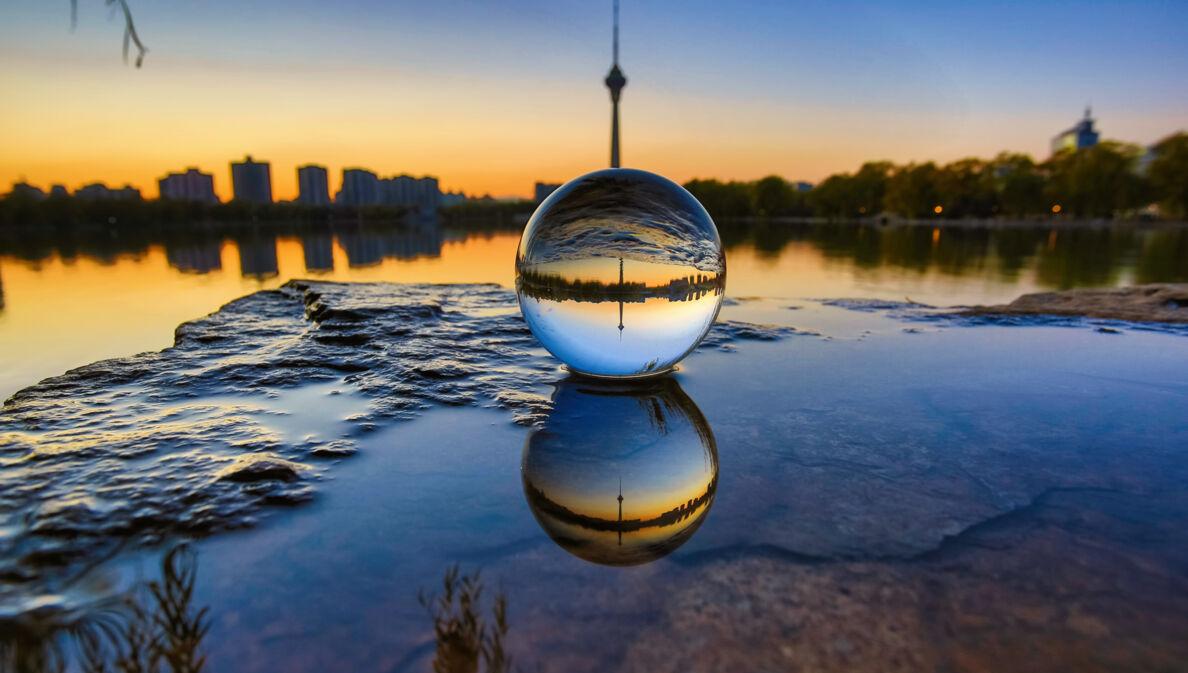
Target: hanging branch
pixel 130 36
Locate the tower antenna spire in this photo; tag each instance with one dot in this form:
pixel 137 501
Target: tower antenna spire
pixel 615 81
pixel 616 49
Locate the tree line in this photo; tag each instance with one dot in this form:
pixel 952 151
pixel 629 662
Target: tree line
pixel 1103 181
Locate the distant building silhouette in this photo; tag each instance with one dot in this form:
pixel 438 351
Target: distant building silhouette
pixel 97 191
pixel 312 186
pixel 24 190
pixel 193 185
pixel 802 186
pixel 542 190
pixel 450 198
pixel 359 188
pixel 1078 137
pixel 424 194
pixel 58 191
pixel 615 81
pixel 251 181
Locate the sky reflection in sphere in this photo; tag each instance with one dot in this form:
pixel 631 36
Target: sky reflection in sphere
pixel 620 273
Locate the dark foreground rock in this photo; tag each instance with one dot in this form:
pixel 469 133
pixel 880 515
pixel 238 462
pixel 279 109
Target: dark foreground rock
pixel 1140 303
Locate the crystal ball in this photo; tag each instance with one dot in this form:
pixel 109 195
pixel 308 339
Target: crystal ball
pixel 620 273
pixel 625 492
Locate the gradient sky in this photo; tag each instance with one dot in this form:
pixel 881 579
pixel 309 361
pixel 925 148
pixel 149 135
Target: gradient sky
pixel 491 97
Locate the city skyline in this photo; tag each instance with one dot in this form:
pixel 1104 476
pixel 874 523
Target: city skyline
pixel 495 99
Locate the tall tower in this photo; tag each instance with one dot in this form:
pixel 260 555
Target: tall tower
pixel 615 81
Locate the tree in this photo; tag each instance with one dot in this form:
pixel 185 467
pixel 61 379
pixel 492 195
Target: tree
pixel 1168 174
pixel 774 197
pixel 1096 181
pixel 722 199
pixel 1018 184
pixel 966 189
pixel 912 190
pixel 857 195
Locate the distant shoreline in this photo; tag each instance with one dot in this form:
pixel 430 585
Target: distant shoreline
pixel 890 222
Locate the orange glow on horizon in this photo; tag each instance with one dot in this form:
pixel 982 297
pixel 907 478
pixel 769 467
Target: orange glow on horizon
pixel 139 125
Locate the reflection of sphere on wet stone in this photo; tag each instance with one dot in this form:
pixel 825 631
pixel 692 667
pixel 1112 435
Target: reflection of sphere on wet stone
pixel 620 273
pixel 621 473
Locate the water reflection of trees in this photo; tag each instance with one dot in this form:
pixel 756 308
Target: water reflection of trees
pixel 558 288
pixel 1164 258
pixel 464 636
pixel 1062 257
pixel 153 628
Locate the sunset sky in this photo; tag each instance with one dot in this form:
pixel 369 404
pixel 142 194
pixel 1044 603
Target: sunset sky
pixel 490 97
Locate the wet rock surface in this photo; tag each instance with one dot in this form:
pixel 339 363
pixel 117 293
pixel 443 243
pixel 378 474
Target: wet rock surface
pixel 206 435
pixel 1161 302
pixel 1153 308
pixel 1081 580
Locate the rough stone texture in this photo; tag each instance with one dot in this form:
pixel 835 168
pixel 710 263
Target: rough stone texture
pixel 1148 303
pixel 193 439
pixel 1081 580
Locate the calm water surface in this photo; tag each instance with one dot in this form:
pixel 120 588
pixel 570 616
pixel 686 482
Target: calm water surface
pixel 832 486
pixel 71 301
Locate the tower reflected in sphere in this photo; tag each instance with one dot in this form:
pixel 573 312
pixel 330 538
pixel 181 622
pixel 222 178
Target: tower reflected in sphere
pixel 622 493
pixel 620 273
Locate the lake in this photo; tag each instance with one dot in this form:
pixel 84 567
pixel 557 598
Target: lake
pixel 328 476
pixel 68 301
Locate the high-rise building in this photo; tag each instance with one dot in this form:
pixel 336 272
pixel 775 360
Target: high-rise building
pixel 359 188
pixel 542 190
pixel 615 81
pixel 424 194
pixel 251 181
pixel 313 186
pixel 802 186
pixel 1078 137
pixel 193 185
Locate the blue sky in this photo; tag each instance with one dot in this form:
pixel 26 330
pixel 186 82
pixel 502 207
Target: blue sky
pixel 508 91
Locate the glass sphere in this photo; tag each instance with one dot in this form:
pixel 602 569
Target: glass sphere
pixel 620 273
pixel 621 473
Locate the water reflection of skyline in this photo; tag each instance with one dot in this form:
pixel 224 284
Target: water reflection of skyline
pixel 258 257
pixel 625 492
pixel 1062 257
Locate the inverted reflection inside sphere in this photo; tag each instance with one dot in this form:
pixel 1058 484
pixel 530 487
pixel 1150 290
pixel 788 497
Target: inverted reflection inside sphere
pixel 620 273
pixel 621 474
